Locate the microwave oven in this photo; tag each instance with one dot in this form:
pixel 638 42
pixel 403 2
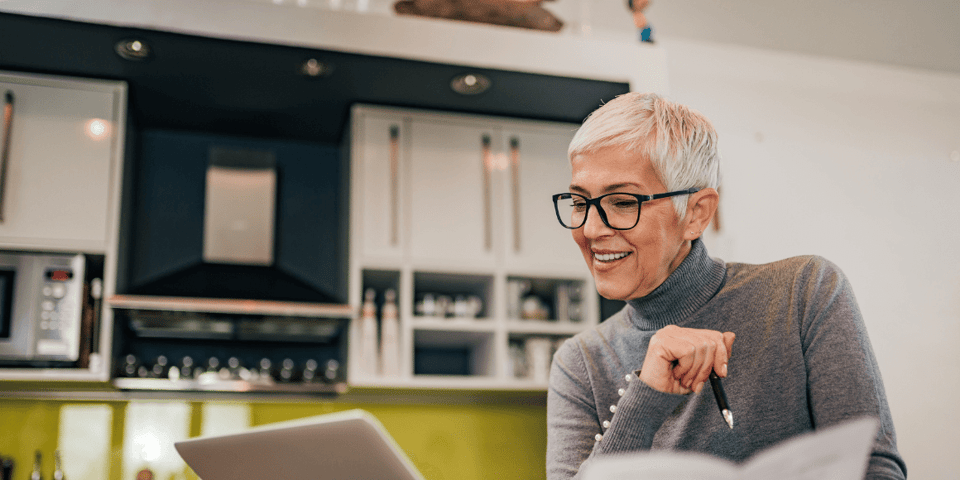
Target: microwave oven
pixel 41 307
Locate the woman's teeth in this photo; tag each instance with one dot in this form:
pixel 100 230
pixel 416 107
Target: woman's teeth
pixel 609 257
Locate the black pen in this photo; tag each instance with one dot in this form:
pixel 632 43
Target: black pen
pixel 721 397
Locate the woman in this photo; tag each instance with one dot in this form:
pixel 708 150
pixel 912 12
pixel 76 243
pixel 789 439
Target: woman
pixel 645 174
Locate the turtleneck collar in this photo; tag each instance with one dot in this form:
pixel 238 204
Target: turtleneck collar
pixel 689 287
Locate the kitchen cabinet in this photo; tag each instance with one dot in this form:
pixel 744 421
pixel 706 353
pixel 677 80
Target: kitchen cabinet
pixel 453 213
pixel 377 226
pixel 61 149
pixel 460 189
pixel 538 168
pixel 62 142
pixel 451 172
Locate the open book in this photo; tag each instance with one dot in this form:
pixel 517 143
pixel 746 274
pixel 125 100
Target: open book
pixel 839 452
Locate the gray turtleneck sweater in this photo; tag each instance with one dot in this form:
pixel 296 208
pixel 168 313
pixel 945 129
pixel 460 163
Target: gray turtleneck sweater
pixel 801 360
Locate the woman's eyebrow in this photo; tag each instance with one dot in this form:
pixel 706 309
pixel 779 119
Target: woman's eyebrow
pixel 607 189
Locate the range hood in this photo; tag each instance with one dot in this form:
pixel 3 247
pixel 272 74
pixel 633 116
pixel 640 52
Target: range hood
pixel 238 218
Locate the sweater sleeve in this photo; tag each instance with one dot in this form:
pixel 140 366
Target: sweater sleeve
pixel 842 372
pixel 575 430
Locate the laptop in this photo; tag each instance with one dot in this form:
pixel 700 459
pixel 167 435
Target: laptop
pixel 346 445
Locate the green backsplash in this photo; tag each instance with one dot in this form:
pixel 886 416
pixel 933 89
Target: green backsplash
pixel 459 438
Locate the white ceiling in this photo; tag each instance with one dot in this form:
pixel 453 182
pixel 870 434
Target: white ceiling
pixel 920 34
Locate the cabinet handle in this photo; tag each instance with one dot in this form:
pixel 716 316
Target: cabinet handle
pixel 394 185
pixel 7 139
pixel 515 166
pixel 487 160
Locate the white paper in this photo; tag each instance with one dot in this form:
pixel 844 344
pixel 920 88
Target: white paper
pixel 838 453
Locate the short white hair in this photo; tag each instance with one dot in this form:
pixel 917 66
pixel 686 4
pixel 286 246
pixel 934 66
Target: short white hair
pixel 679 141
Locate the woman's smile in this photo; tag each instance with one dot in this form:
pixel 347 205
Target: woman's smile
pixel 609 257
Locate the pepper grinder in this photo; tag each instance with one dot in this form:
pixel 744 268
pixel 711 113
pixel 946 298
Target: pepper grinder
pixel 35 475
pixel 58 471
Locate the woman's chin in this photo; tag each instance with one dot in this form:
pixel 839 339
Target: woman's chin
pixel 611 292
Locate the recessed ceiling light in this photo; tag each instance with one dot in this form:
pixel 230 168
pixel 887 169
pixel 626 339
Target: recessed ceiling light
pixel 315 68
pixel 132 49
pixel 470 84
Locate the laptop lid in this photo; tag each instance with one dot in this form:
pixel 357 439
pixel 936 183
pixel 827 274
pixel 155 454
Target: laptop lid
pixel 346 445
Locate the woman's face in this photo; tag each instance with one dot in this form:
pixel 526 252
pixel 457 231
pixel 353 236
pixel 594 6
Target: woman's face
pixel 627 264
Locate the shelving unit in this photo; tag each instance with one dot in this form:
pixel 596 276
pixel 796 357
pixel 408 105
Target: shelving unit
pixel 453 213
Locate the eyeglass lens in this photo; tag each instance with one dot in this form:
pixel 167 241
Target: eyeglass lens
pixel 621 211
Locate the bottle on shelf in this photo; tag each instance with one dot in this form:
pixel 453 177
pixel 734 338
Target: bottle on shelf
pixel 517 366
pixel 368 334
pixel 539 350
pixel 390 336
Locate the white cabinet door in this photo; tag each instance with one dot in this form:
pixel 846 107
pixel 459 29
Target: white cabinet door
pixel 453 192
pixel 539 168
pixel 378 187
pixel 63 148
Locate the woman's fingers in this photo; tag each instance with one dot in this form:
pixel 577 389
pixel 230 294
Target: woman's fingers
pixel 728 338
pixel 705 356
pixel 723 353
pixel 680 360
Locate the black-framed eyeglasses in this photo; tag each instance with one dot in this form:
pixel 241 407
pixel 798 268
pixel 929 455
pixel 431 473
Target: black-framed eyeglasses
pixel 619 211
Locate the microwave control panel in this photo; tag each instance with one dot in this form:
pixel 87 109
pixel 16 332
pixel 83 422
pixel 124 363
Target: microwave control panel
pixel 59 313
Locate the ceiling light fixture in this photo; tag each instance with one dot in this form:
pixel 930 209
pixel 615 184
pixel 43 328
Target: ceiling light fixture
pixel 132 49
pixel 470 84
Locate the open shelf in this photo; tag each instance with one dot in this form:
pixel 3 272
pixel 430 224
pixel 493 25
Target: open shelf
pixel 456 295
pixel 453 353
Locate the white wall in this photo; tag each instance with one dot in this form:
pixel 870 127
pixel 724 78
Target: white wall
pixel 857 163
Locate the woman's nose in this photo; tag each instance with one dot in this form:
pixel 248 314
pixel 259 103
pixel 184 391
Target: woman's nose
pixel 594 226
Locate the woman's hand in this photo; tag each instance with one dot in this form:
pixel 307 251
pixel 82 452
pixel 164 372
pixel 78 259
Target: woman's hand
pixel 679 359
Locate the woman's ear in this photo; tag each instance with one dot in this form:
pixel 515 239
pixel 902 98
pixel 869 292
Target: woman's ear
pixel 701 208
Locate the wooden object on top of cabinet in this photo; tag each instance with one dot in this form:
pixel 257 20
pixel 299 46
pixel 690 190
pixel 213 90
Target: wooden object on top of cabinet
pixel 449 205
pixel 63 151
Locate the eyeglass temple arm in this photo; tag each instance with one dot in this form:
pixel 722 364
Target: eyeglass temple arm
pixel 678 192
